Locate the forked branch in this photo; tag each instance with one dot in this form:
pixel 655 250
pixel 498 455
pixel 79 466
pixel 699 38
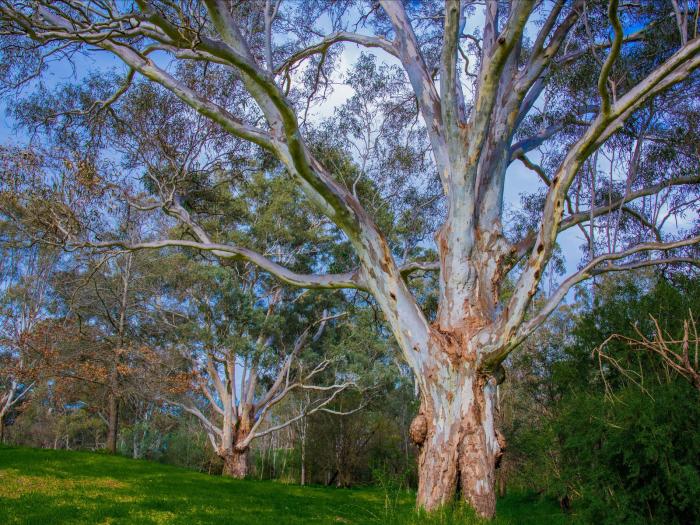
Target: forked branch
pixel 681 355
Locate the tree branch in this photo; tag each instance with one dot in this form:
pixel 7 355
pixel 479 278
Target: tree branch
pixel 528 144
pixel 591 269
pixel 577 218
pixel 340 36
pixel 426 95
pixel 450 87
pixel 612 56
pixel 337 390
pixel 490 74
pixel 334 281
pixel 211 428
pixel 676 68
pixel 426 266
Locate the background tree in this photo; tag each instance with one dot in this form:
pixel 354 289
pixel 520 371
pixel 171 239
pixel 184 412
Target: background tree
pixel 26 272
pixel 247 351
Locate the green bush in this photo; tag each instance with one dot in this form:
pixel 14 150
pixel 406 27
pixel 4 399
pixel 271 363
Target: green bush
pixel 634 459
pixel 614 444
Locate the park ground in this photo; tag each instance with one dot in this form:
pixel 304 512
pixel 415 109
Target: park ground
pixel 49 487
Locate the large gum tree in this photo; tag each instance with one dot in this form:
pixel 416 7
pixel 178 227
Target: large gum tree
pixel 484 77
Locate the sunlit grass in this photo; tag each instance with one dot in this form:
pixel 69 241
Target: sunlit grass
pixel 48 487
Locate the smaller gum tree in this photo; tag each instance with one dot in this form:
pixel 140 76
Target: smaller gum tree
pixel 251 344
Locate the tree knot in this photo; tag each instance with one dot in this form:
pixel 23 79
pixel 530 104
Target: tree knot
pixel 418 430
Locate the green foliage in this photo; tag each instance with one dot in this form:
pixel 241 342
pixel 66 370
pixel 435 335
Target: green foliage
pixel 635 459
pixel 50 487
pixel 80 428
pixel 618 443
pixel 188 447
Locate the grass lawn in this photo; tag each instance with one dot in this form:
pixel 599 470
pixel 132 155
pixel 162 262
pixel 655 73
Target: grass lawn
pixel 45 486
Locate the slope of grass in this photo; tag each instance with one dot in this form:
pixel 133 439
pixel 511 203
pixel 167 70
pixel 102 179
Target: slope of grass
pixel 47 487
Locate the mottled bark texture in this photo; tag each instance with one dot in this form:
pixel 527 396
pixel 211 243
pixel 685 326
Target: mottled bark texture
pixel 235 450
pixel 236 463
pixel 455 432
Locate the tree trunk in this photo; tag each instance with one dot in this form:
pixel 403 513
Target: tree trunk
pixel 112 423
pixel 303 454
pixel 236 463
pixel 2 429
pixel 458 442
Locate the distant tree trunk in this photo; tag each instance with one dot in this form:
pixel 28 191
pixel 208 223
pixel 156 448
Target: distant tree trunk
pixel 303 459
pixel 332 478
pixel 236 459
pixel 236 463
pixel 112 423
pixel 501 483
pixel 2 429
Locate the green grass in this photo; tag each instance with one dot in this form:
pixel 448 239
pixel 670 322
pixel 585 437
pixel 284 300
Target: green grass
pixel 47 486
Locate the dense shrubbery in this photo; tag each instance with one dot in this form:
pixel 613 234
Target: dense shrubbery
pixel 618 444
pixel 635 459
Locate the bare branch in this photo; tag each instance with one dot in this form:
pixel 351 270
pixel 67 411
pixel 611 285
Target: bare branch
pixel 346 280
pixel 604 77
pixel 586 215
pixel 339 37
pixel 427 266
pixel 208 425
pixel 535 141
pixel 673 352
pixel 337 389
pixel 590 270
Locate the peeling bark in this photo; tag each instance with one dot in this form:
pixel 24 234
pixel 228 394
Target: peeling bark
pixel 235 452
pixel 455 430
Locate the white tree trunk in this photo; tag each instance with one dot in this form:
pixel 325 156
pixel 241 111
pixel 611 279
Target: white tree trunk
pixel 456 434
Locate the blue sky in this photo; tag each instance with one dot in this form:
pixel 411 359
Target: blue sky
pixel 519 179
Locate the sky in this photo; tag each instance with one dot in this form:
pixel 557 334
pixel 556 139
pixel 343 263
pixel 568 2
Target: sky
pixel 519 179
